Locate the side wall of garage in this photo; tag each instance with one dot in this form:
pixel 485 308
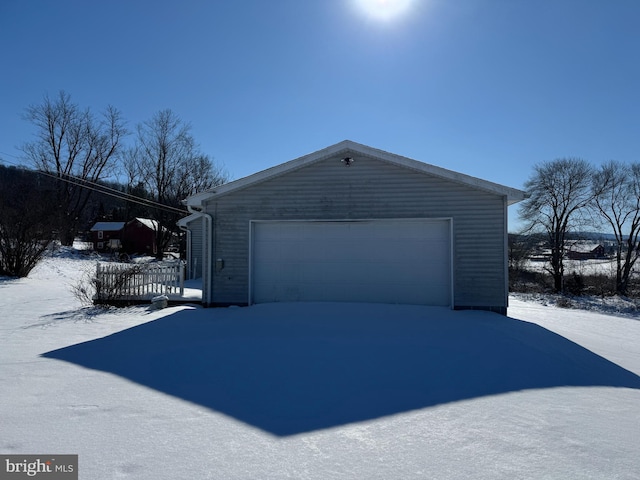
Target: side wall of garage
pixel 368 189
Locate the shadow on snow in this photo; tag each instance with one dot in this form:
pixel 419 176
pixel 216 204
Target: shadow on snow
pixel 293 368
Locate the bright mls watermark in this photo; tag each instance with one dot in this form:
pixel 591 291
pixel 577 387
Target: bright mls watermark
pixel 50 467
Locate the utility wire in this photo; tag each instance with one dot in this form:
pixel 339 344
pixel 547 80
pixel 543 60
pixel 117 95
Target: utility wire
pixel 96 187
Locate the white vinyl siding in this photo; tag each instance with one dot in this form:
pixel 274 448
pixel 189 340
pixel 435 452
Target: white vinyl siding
pixel 196 259
pixel 368 189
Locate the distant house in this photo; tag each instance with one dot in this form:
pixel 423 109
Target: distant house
pixel 585 251
pixel 107 236
pixel 135 236
pixel 139 236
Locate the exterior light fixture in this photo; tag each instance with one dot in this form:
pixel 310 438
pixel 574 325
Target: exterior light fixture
pixel 347 161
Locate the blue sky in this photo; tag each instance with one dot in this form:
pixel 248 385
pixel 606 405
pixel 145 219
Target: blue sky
pixel 483 87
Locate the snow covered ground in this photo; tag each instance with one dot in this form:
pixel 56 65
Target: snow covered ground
pixel 316 391
pixel 604 266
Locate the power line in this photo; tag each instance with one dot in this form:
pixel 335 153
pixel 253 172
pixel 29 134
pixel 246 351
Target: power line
pixel 103 189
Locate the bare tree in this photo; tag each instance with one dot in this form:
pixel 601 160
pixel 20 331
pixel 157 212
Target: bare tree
pixel 617 199
pixel 74 146
pixel 26 230
pixel 559 191
pixel 520 249
pixel 168 162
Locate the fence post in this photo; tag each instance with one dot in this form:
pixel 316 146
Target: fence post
pixel 98 281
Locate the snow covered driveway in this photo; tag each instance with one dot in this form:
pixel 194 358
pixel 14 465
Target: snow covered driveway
pixel 316 390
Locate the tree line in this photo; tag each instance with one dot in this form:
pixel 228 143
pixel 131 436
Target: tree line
pixel 569 194
pixel 77 152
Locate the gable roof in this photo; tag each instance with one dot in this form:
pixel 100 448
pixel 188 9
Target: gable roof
pixel 147 222
pixel 107 226
pixel 583 246
pixel 349 148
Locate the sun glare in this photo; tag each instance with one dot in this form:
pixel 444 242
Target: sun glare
pixel 384 9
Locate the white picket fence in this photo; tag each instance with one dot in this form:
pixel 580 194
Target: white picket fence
pixel 122 281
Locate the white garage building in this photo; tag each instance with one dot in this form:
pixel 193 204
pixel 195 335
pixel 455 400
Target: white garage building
pixel 351 223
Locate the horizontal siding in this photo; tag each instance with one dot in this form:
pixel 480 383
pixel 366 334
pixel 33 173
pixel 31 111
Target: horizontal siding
pixel 368 189
pixel 195 269
pixel 195 260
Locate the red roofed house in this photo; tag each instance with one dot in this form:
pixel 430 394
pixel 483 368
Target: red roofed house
pixel 135 236
pixel 139 236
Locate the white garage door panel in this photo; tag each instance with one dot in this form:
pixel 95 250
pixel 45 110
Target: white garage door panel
pixel 387 261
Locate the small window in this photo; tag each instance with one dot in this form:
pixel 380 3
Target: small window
pixel 100 234
pixel 100 245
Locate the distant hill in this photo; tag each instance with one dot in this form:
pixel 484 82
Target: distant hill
pixel 594 236
pixel 591 236
pixel 99 206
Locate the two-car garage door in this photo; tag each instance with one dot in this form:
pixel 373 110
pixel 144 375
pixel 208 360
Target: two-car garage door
pixel 382 261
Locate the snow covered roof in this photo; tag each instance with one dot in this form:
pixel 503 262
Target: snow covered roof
pixel 583 247
pixel 347 147
pixel 107 226
pixel 147 222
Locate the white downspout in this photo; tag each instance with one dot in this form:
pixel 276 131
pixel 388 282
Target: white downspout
pixel 506 252
pixel 209 222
